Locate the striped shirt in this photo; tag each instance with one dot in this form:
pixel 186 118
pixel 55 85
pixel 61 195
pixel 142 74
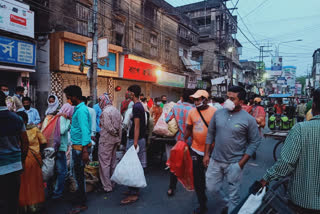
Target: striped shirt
pixel 300 158
pixel 180 113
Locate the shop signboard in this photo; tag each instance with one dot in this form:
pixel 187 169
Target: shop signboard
pixel 17 52
pixel 298 88
pixel 16 17
pixel 74 54
pixel 170 79
pixel 202 84
pixel 281 80
pixel 272 73
pixel 138 70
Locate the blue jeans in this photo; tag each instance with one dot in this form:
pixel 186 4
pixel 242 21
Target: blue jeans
pixel 61 170
pixel 78 173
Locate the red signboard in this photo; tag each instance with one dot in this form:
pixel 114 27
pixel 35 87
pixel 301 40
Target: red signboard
pixel 137 70
pixel 18 20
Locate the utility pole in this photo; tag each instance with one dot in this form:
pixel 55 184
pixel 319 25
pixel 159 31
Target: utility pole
pixel 94 64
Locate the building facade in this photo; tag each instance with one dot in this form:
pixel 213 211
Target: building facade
pixel 316 68
pixel 217 50
pixel 17 45
pixel 144 37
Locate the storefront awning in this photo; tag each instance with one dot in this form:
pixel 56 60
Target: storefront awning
pixel 218 81
pixel 190 64
pixel 15 69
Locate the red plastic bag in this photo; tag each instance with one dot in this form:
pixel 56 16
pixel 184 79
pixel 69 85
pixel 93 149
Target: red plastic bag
pixel 260 115
pixel 180 164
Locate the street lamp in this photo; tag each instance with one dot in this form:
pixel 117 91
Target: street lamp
pixel 277 48
pixel 230 50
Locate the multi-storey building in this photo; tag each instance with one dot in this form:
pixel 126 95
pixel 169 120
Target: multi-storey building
pixel 144 37
pixel 217 51
pixel 17 45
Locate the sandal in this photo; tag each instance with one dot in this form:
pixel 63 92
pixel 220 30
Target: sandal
pixel 78 209
pixel 171 192
pixel 129 193
pixel 129 200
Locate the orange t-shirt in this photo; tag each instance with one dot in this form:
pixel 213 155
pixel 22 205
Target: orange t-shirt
pixel 200 130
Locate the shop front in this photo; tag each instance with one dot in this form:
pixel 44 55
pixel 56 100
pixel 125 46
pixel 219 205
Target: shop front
pixel 68 55
pixel 149 75
pixel 169 84
pixel 139 71
pixel 17 60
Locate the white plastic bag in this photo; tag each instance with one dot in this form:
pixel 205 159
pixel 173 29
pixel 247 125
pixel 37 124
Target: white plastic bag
pixel 129 171
pixel 253 202
pixel 48 164
pixel 161 127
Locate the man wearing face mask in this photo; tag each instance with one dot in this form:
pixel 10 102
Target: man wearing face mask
pixel 235 137
pixel 156 110
pixel 197 127
pixel 13 103
pixel 33 114
pixel 163 101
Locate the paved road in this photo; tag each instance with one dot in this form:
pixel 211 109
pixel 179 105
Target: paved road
pixel 153 199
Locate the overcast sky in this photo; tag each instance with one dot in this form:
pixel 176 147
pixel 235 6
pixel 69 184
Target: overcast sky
pixel 275 21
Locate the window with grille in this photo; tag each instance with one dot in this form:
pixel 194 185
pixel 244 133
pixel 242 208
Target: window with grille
pixel 138 38
pixel 167 44
pixel 83 18
pixel 154 51
pixel 153 39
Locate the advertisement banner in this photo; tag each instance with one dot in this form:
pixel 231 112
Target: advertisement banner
pixel 17 52
pixel 276 63
pixel 289 72
pixel 138 70
pixel 16 17
pixel 170 79
pixel 298 89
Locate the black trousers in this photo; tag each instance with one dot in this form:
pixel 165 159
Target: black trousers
pixel 95 149
pixel 173 181
pixel 9 193
pixel 199 178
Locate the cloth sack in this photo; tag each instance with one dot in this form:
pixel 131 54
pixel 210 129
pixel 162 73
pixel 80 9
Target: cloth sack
pixel 48 164
pixel 161 127
pixel 180 164
pixel 173 126
pixel 129 171
pixel 253 202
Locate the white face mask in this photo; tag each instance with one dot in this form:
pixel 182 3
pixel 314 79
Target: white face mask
pixel 158 103
pixel 201 104
pixel 228 104
pixel 6 93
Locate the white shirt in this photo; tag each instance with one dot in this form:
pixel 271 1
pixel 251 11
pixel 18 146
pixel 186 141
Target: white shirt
pixel 93 116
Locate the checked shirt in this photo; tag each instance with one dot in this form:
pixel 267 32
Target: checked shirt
pixel 300 158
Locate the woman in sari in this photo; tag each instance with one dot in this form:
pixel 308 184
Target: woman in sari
pixel 52 110
pixel 32 188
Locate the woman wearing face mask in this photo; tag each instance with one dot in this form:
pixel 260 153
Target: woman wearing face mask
pixel 52 110
pixel 156 110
